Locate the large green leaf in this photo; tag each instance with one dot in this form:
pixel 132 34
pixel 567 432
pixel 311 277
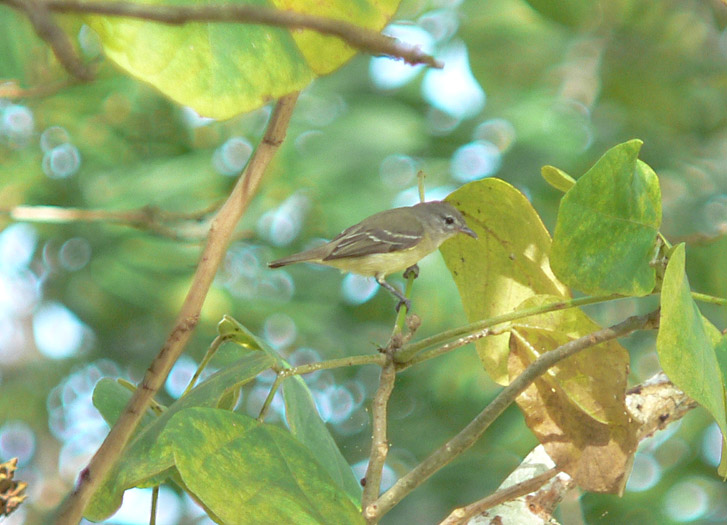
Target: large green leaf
pixel 607 224
pixel 144 460
pixel 247 472
pixel 307 427
pixel 223 69
pixel 577 408
pixel 507 264
pixel 300 412
pixel 687 347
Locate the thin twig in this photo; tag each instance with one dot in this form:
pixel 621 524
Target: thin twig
pixel 47 29
pixel 221 230
pixel 357 37
pixel 379 442
pixel 446 348
pixel 472 432
pixel 410 350
pixel 463 514
pixel 356 360
pixel 161 222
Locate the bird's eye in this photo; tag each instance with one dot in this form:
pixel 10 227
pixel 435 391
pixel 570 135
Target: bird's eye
pixel 449 219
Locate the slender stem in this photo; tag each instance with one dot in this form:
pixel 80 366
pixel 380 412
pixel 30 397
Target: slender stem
pixel 211 351
pixel 472 432
pixel 46 28
pixel 369 359
pixel 146 218
pixel 269 399
pixel 154 504
pixel 436 352
pixel 463 514
pixel 221 230
pixel 410 350
pixel 403 310
pixel 379 443
pixel 709 299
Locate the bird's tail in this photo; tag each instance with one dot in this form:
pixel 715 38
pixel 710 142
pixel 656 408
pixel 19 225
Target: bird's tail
pixel 306 256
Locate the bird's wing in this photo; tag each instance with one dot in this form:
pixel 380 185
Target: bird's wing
pixel 375 236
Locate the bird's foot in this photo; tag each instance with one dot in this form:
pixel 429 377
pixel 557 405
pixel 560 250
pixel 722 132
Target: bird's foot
pixel 412 270
pixel 403 302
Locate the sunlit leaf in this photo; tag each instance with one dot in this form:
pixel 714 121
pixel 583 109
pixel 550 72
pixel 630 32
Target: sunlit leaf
pixel 233 331
pixel 144 460
pixel 507 264
pixel 688 349
pixel 557 178
pixel 224 69
pixel 247 472
pixel 577 408
pixel 607 224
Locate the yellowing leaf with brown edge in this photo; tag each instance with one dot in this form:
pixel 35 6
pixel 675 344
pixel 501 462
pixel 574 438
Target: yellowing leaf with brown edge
pixel 577 408
pixel 508 263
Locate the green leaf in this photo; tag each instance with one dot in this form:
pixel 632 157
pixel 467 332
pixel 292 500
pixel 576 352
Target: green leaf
pixel 306 425
pixel 607 225
pixel 687 349
pixel 557 178
pixel 247 472
pixel 506 265
pixel 224 69
pixel 233 331
pixel 110 399
pixel 577 408
pixel 144 460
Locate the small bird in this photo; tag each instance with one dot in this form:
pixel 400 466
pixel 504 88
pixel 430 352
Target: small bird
pixel 387 242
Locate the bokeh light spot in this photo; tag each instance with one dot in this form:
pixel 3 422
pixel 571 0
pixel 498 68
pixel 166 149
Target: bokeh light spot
pixel 62 161
pixel 645 474
pixel 53 137
pixel 279 330
pixel 454 89
pixel 475 160
pixel 75 254
pixel 686 501
pixel 58 332
pixel 232 156
pixel 357 289
pixel 17 440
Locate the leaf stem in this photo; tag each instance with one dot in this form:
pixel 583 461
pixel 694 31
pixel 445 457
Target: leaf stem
pixel 704 298
pixel 410 350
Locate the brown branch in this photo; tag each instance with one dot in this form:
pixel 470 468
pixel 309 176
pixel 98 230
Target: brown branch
pixel 47 29
pixel 474 430
pixel 379 441
pixel 501 496
pixel 220 232
pixel 149 218
pixel 356 36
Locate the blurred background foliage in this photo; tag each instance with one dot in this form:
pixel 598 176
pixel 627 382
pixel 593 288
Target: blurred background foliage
pixel 526 84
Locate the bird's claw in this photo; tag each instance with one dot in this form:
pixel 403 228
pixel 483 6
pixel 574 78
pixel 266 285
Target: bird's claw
pixel 404 302
pixel 412 270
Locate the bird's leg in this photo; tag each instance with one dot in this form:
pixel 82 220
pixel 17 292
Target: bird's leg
pixel 397 293
pixel 412 270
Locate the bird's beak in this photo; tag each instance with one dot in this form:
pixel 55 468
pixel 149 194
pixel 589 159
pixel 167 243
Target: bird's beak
pixel 469 232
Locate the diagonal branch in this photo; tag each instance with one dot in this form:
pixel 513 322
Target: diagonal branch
pixel 220 232
pixel 474 430
pixel 357 37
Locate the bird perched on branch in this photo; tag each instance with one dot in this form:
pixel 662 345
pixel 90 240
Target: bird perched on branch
pixel 387 242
